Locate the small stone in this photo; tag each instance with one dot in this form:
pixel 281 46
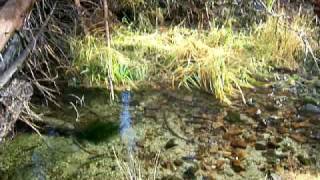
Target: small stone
pixel 140 143
pixel 237 166
pixel 299 138
pixel 239 154
pixel 166 164
pixel 310 109
pixel 283 130
pixel 238 143
pixel 227 154
pixel 213 149
pixel 272 144
pixel 216 125
pixel 190 172
pixel 271 107
pixel 188 98
pixel 170 144
pixel 252 138
pixel 233 131
pixel 220 164
pixel 178 162
pixel 251 102
pixel 246 119
pixel 261 145
pixel 233 117
pixel 304 124
pixel 258 112
pixel 204 166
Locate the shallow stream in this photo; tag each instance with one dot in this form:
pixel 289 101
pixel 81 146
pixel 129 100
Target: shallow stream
pixel 167 135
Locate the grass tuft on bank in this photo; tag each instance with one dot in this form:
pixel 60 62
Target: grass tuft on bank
pixel 220 60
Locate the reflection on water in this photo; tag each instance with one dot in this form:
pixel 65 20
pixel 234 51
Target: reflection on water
pixel 127 132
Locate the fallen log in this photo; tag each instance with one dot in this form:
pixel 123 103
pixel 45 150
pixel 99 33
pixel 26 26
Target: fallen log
pixel 14 94
pixel 13 99
pixel 12 15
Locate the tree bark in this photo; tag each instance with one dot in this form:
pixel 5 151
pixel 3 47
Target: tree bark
pixel 12 15
pixel 12 102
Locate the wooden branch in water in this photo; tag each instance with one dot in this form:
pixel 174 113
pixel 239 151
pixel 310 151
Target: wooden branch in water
pixel 12 15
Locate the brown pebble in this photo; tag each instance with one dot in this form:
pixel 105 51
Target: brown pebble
pixel 226 154
pixel 299 138
pixel 233 131
pixel 272 144
pixel 237 166
pixel 261 145
pixel 252 138
pixel 283 130
pixel 304 124
pixel 178 162
pixel 239 154
pixel 220 164
pixel 238 143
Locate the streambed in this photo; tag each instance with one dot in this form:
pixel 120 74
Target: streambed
pixel 177 135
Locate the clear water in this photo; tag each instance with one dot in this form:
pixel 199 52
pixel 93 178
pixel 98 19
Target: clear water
pixel 170 135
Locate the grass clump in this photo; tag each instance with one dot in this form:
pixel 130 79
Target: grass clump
pixel 219 60
pixel 277 44
pixel 94 60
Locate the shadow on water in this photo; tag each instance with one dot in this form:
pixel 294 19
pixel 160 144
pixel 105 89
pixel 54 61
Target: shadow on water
pixel 98 131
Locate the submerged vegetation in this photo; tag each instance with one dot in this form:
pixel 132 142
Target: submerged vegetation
pixel 219 60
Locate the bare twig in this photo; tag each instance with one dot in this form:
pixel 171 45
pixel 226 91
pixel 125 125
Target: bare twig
pixel 156 164
pixel 80 14
pixel 75 108
pixel 106 18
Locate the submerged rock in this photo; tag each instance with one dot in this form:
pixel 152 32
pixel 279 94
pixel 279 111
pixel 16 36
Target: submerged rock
pixel 310 109
pixel 299 138
pixel 261 145
pixel 233 117
pixel 238 143
pixel 237 166
pixel 190 173
pixel 170 144
pixel 178 162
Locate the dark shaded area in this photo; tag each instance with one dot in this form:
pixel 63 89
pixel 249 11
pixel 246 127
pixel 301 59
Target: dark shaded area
pixel 98 131
pixel 2 2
